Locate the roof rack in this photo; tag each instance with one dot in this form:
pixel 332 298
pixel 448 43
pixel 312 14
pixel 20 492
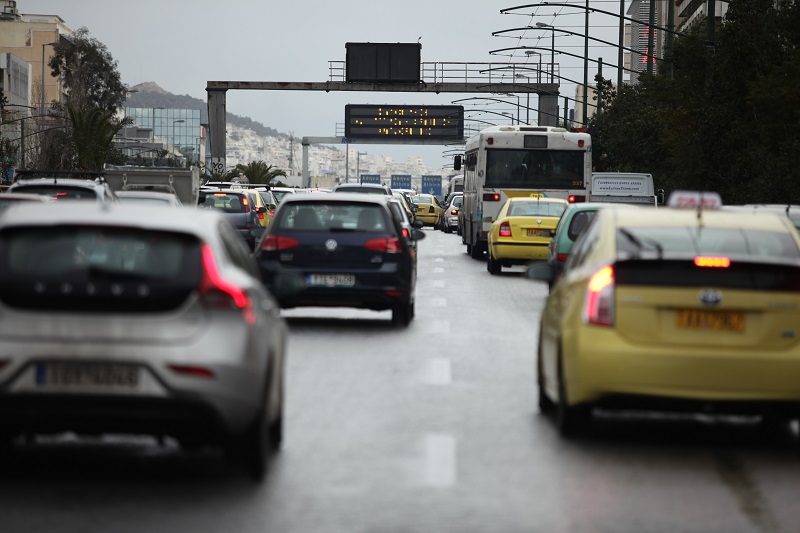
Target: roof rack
pixel 20 175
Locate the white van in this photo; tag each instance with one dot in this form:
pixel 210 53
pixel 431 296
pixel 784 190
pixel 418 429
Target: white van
pixel 625 187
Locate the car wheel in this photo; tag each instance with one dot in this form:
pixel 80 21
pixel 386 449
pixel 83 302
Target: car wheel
pixel 402 313
pixel 475 251
pixel 255 447
pixel 545 404
pixel 448 229
pixel 492 265
pixel 571 420
pixel 469 248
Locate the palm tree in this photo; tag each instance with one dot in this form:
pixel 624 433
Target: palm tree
pixel 259 171
pixel 93 134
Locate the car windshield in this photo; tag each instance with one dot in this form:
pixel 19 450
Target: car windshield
pixel 707 241
pixel 60 192
pixel 536 209
pixel 333 216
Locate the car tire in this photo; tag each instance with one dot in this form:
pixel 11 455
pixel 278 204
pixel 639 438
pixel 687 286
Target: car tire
pixel 475 251
pixel 448 229
pixel 572 421
pixel 255 447
pixel 402 313
pixel 276 426
pixel 493 266
pixel 545 404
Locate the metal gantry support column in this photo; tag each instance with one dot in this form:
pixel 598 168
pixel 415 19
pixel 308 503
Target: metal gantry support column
pixel 217 122
pixel 306 175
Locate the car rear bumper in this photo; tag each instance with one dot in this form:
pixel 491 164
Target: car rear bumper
pixel 519 251
pixel 605 366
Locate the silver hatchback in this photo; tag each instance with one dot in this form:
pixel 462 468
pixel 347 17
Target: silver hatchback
pixel 138 320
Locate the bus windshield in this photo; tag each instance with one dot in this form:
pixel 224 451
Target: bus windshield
pixel 535 169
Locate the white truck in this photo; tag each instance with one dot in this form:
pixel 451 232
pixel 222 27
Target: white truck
pixel 625 188
pixel 182 182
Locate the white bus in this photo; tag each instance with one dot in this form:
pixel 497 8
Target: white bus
pixel 502 162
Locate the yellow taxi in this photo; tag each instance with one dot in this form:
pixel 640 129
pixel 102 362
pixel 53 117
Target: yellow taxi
pixel 428 209
pixel 677 309
pixel 522 231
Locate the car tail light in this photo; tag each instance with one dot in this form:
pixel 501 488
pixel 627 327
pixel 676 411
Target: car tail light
pixel 406 233
pixel 574 198
pixel 562 257
pixel 491 197
pixel 261 216
pixel 246 205
pixel 271 214
pixel 217 292
pixel 598 308
pixel 389 246
pixel 712 262
pixel 505 229
pixel 273 243
pixel 192 371
pixel 454 212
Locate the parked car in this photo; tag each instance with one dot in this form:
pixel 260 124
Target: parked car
pixel 138 320
pixel 673 310
pixel 341 250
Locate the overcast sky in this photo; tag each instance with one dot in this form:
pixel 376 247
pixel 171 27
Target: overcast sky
pixel 181 44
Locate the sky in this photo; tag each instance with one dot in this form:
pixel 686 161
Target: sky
pixel 182 44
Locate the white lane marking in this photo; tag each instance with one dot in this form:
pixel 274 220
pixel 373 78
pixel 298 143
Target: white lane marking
pixel 439 302
pixel 439 260
pixel 438 284
pixel 438 270
pixel 440 460
pixel 438 372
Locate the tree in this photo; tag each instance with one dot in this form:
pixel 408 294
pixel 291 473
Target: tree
pixel 90 74
pixel 93 134
pixel 259 172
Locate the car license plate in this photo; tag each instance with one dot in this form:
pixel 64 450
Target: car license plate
pixel 538 233
pixel 712 320
pixel 86 375
pixel 331 280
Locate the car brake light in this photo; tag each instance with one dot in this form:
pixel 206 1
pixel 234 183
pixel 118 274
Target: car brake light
pixel 389 246
pixel 273 243
pixel 246 205
pixel 598 308
pixel 712 262
pixel 574 198
pixel 217 292
pixel 562 257
pixel 505 229
pixel 491 197
pixel 192 371
pixel 406 233
pixel 454 212
pixel 271 214
pixel 261 216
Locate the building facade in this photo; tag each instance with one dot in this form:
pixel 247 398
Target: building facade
pixel 180 131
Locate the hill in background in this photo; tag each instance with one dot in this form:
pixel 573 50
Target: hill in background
pixel 149 94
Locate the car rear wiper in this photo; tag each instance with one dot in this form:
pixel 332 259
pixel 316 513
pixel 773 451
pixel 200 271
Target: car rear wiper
pixel 342 230
pixel 641 244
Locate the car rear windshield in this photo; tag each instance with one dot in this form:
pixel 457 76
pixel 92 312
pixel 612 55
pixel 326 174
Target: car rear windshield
pixel 737 242
pixel 423 199
pixel 333 216
pixel 144 200
pixel 60 192
pixel 87 268
pixel 552 169
pixel 227 202
pixel 536 209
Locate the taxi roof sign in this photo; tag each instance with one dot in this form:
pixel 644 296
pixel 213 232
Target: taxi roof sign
pixel 695 199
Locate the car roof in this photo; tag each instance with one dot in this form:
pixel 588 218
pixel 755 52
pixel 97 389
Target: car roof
pixel 72 182
pixel 535 200
pixel 25 196
pixel 675 217
pixel 198 222
pixel 146 194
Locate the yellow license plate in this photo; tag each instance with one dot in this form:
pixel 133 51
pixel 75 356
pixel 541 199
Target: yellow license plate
pixel 712 320
pixel 538 233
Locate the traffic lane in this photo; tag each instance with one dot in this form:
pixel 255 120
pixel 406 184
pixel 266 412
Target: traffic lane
pixel 386 434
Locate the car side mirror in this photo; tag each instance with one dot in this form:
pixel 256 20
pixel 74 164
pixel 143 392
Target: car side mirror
pixel 272 207
pixel 418 224
pixel 457 162
pixel 417 234
pixel 660 197
pixel 541 271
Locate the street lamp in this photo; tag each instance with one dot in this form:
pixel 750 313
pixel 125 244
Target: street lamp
pixel 358 164
pixel 179 121
pixel 552 44
pixel 43 98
